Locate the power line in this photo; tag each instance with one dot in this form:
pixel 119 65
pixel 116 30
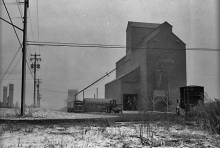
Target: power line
pixel 12 23
pixel 12 18
pixel 30 69
pixel 29 66
pixel 13 3
pixel 71 44
pixel 19 9
pixel 31 24
pixel 31 29
pixel 12 69
pixel 28 50
pixel 14 72
pixel 10 64
pixel 107 74
pixel 44 89
pixel 17 38
pixel 19 79
pixel 38 28
pixel 59 44
pixel 15 66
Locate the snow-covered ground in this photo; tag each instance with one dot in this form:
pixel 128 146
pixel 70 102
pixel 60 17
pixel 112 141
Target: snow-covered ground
pixel 95 136
pixel 40 113
pixel 101 134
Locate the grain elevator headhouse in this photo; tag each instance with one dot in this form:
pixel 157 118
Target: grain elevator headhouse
pixel 154 67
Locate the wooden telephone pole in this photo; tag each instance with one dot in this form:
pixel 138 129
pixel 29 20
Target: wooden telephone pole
pixel 35 66
pixel 38 92
pixel 23 83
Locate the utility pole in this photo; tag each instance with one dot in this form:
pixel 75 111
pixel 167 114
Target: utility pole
pixel 97 95
pixel 38 92
pixel 35 66
pixel 23 84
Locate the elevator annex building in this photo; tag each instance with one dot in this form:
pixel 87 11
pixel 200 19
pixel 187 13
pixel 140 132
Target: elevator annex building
pixel 153 69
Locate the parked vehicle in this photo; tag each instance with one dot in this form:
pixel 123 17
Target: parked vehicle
pixel 75 106
pixel 117 108
pixel 113 107
pixel 94 105
pixel 79 109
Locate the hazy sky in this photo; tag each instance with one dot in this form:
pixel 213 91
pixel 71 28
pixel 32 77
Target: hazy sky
pixel 103 22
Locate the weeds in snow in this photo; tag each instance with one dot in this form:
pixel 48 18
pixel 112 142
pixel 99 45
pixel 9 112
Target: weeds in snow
pixel 117 135
pixel 208 115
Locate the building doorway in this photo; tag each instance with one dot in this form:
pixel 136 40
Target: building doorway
pixel 130 102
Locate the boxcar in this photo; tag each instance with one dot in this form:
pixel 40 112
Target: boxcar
pixel 190 96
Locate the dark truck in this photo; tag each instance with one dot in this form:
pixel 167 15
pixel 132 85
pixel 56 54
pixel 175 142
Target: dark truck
pixel 79 109
pixel 76 106
pixel 113 107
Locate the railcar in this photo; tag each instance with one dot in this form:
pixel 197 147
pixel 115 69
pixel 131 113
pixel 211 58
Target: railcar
pixel 190 96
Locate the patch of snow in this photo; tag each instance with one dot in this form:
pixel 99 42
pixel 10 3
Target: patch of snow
pixel 78 136
pixel 40 113
pixel 97 135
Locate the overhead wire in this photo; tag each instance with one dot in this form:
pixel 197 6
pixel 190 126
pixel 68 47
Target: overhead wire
pixel 107 74
pixel 10 64
pixel 59 44
pixel 71 44
pixel 19 9
pixel 12 3
pixel 12 69
pixel 31 24
pixel 12 18
pixel 29 67
pixel 55 91
pixel 32 38
pixel 38 28
pixel 27 54
pixel 18 40
pixel 11 22
pixel 44 89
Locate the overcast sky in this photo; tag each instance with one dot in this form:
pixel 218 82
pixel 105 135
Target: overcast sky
pixel 103 22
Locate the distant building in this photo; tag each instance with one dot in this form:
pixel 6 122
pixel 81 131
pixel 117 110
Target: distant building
pixel 4 96
pixel 11 95
pixel 8 97
pixel 71 94
pixel 16 104
pixel 152 70
pixel 70 98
